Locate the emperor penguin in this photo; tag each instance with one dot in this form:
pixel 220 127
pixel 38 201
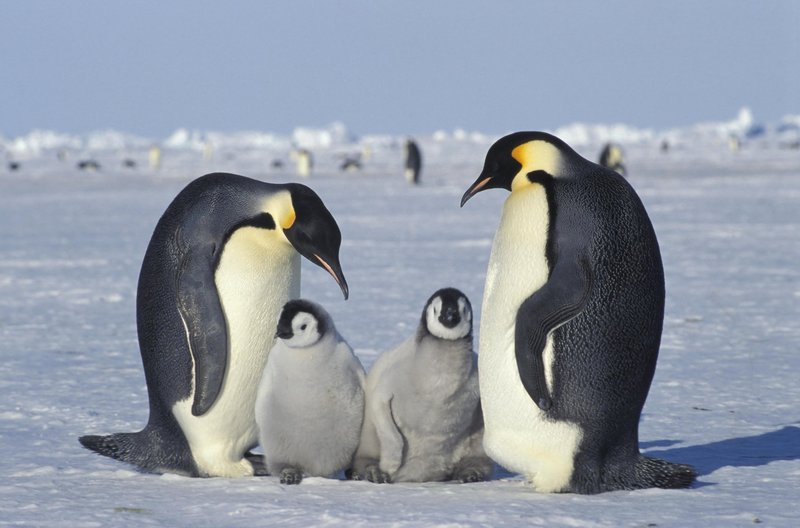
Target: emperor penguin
pixel 423 417
pixel 571 322
pixel 154 157
pixel 413 164
pixel 611 157
pixel 304 162
pixel 310 402
pixel 223 260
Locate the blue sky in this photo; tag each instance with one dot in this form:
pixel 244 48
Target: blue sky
pixel 399 67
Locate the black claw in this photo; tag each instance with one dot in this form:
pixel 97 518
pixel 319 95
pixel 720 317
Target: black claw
pixel 374 474
pixel 470 475
pixel 291 476
pixel 258 463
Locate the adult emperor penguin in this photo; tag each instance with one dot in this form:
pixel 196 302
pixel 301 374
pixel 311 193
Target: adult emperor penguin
pixel 571 322
pixel 611 157
pixel 310 403
pixel 413 163
pixel 223 260
pixel 423 417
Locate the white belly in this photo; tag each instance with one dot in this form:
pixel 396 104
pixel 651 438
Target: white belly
pixel 258 272
pixel 518 435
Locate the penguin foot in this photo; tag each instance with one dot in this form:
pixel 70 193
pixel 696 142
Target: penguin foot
pixel 374 474
pixel 470 474
pixel 291 476
pixel 258 463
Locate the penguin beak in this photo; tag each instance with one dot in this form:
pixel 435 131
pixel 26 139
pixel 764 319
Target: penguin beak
pixel 324 254
pixel 335 269
pixel 479 185
pixel 315 235
pixel 449 317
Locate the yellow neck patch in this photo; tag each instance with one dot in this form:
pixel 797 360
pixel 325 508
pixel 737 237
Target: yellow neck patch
pixel 279 205
pixel 535 155
pixel 288 219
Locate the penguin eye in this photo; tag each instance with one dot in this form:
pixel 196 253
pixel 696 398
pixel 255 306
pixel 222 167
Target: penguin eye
pixel 303 327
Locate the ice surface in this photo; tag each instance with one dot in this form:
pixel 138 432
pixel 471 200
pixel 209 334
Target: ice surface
pixel 725 396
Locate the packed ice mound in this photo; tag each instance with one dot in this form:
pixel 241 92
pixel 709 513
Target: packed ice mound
pixel 784 133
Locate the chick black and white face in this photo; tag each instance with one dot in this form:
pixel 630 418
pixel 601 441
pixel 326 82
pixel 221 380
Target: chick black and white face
pixel 448 314
pixel 300 325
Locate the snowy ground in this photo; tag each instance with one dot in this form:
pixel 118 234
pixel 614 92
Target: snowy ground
pixel 725 398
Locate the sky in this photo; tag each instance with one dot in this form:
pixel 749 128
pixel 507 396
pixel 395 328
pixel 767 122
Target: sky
pixel 392 67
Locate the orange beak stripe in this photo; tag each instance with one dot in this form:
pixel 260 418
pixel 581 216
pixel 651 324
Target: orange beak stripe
pixel 478 186
pixel 327 267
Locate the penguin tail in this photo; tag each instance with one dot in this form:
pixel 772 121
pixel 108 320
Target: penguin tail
pixel 656 473
pixel 145 450
pixel 110 445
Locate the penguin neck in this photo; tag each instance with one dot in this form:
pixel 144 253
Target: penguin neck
pixel 443 358
pixel 318 352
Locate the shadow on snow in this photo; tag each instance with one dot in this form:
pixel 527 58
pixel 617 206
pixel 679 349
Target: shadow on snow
pixel 748 451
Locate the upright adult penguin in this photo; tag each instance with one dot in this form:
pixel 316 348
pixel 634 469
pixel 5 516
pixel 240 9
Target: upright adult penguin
pixel 571 322
pixel 223 260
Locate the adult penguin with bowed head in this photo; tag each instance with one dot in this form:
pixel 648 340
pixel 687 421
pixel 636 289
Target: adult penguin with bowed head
pixel 223 260
pixel 571 322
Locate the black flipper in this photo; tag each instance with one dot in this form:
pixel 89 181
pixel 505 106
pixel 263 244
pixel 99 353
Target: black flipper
pixel 201 311
pixel 563 297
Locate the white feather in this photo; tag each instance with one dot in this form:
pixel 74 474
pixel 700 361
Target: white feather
pixel 518 435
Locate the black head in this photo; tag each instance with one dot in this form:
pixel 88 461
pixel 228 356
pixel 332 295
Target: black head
pixel 448 314
pixel 314 233
pixel 302 323
pixel 294 208
pixel 519 158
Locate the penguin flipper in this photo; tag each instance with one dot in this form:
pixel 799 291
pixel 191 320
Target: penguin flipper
pixel 563 297
pixel 201 311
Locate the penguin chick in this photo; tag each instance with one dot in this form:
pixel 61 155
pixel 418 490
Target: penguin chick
pixel 423 419
pixel 310 402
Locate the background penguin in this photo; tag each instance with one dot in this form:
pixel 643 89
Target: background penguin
pixel 89 165
pixel 310 402
pixel 223 259
pixel 413 162
pixel 575 271
pixel 423 419
pixel 304 162
pixel 351 163
pixel 612 158
pixel 154 157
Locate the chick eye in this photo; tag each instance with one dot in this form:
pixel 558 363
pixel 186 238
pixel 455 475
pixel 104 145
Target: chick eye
pixel 303 327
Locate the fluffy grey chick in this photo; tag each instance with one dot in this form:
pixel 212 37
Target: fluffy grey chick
pixel 310 403
pixel 423 418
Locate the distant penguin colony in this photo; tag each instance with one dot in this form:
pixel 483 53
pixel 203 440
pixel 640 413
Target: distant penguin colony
pixel 413 164
pixel 310 402
pixel 223 259
pixel 575 271
pixel 423 418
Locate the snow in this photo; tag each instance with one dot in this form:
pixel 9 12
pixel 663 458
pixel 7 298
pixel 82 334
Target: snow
pixel 725 396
